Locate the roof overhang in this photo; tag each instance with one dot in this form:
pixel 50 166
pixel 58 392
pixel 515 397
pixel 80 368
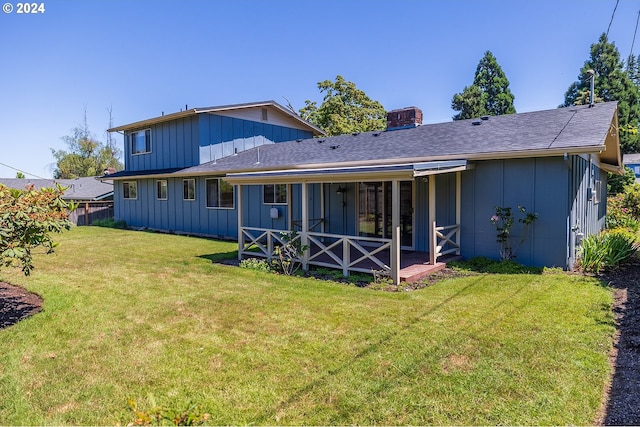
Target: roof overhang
pixel 219 109
pixel 610 158
pixel 407 171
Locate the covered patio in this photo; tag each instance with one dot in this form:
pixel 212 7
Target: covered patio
pixel 357 252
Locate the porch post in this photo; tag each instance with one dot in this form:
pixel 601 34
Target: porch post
pixel 290 207
pixel 304 237
pixel 432 219
pixel 395 232
pixel 458 214
pixel 240 232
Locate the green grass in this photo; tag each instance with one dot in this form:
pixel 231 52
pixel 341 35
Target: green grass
pixel 135 315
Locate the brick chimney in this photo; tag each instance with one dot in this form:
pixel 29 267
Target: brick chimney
pixel 408 117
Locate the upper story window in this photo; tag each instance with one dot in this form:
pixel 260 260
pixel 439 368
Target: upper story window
pixel 189 189
pixel 140 141
pixel 275 194
pixel 130 190
pixel 219 194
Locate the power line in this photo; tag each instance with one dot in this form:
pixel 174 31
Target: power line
pixel 26 173
pixel 614 12
pixel 634 34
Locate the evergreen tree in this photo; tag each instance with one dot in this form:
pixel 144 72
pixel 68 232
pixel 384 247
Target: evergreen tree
pixel 488 95
pixel 612 83
pixel 345 109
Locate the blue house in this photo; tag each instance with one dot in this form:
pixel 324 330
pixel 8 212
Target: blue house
pixel 376 200
pixel 633 161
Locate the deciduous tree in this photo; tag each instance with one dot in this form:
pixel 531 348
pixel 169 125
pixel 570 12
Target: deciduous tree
pixel 27 220
pixel 86 156
pixel 345 109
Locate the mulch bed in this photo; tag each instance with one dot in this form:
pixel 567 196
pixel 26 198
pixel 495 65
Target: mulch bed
pixel 622 405
pixel 16 304
pixel 622 398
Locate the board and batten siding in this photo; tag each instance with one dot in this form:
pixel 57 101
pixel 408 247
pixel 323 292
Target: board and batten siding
pixel 588 195
pixel 175 214
pixel 538 184
pixel 174 144
pixel 222 136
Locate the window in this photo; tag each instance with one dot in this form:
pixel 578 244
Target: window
pixel 140 141
pixel 189 189
pixel 130 190
pixel 219 194
pixel 161 189
pixel 275 194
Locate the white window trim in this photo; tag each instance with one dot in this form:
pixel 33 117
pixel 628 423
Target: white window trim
pixel 219 207
pixel 264 202
pixel 130 198
pixel 194 190
pixel 166 185
pixel 150 141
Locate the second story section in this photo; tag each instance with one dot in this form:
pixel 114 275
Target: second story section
pixel 200 135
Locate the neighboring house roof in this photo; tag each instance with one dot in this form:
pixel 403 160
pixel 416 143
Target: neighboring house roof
pixel 631 158
pixel 219 109
pixel 86 189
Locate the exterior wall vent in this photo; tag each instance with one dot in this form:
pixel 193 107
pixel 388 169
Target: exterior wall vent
pixel 265 115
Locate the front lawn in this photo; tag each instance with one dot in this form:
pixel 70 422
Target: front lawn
pixel 150 317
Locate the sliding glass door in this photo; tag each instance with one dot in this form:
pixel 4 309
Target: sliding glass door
pixel 374 211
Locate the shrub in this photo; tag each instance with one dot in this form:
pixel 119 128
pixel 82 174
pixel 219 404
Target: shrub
pixel 504 220
pixel 28 218
pixel 257 264
pixel 290 253
pixel 623 209
pixel 606 250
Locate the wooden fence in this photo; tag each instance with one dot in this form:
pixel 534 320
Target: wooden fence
pixel 87 212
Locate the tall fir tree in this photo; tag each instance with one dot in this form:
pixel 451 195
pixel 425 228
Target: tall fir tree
pixel 488 95
pixel 612 83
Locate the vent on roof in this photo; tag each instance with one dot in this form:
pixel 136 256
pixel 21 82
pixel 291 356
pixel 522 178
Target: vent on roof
pixel 355 133
pixel 299 140
pixel 333 147
pixel 376 134
pixel 485 117
pixel 320 141
pixel 476 122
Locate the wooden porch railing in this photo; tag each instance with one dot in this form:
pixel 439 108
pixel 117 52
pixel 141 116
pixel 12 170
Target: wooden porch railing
pixel 262 242
pixel 448 234
pixel 347 253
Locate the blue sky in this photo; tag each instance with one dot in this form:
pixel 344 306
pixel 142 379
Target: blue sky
pixel 141 58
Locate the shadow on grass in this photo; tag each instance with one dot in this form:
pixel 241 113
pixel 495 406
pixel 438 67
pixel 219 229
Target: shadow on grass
pixel 227 258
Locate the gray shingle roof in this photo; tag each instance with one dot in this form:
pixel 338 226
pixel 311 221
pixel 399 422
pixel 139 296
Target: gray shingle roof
pixel 88 188
pixel 576 129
